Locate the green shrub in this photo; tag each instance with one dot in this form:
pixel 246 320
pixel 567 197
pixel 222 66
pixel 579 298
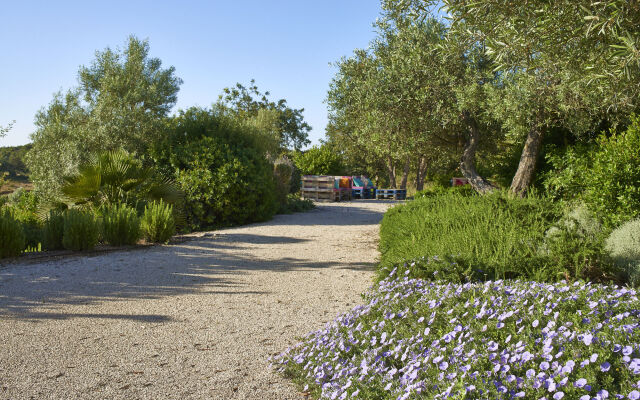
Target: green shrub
pixel 120 225
pixel 295 204
pixel 81 230
pixel 158 224
pixel 53 231
pixel 438 190
pixel 496 236
pixel 24 207
pixel 220 167
pixel 282 173
pixel 606 176
pixel 623 245
pixel 12 240
pixel 431 191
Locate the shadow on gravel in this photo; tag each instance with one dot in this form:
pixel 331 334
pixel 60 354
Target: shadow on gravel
pixel 195 266
pixel 348 213
pixel 60 316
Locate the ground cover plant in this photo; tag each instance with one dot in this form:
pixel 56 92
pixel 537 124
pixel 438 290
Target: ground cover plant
pixel 415 338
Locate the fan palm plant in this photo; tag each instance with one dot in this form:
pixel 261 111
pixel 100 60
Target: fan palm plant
pixel 116 177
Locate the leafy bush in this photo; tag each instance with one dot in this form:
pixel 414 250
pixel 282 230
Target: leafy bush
pixel 605 176
pixel 81 230
pixel 120 225
pixel 283 172
pixel 53 231
pixel 12 240
pixel 624 246
pixel 496 340
pixel 295 204
pixel 222 170
pixel 24 207
pixel 494 236
pixel 158 225
pixel 321 160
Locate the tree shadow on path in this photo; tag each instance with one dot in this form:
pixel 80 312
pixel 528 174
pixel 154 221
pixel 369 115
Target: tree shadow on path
pixel 205 265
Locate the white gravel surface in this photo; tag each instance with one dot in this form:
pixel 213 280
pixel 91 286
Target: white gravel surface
pixel 195 320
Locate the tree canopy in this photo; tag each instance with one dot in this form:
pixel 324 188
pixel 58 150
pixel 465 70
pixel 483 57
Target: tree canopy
pixel 249 104
pixel 121 102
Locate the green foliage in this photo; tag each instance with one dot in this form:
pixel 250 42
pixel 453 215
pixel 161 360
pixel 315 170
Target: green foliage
pixel 221 169
pixel 158 225
pixel 282 172
pixel 494 236
pixel 117 177
pixel 295 204
pixel 121 101
pixel 12 161
pixel 624 247
pixel 319 160
pixel 248 104
pixel 81 230
pixel 120 225
pixel 438 190
pixel 606 176
pixel 53 231
pixel 612 185
pixel 565 180
pixel 24 207
pixel 12 239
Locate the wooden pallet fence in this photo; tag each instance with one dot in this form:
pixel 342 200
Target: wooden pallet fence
pixel 395 194
pixel 324 188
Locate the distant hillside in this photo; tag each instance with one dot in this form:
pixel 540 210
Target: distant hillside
pixel 12 161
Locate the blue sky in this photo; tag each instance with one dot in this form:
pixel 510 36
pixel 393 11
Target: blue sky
pixel 286 46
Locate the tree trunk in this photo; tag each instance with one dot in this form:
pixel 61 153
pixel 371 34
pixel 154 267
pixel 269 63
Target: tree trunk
pixel 467 163
pixel 405 174
pixel 421 173
pixel 527 166
pixel 392 172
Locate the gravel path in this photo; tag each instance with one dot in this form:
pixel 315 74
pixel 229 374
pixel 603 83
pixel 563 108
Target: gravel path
pixel 196 320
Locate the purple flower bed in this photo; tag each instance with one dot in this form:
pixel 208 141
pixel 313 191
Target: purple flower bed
pixel 494 340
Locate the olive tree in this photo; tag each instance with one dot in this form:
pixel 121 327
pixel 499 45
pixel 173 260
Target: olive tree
pixel 561 63
pixel 121 102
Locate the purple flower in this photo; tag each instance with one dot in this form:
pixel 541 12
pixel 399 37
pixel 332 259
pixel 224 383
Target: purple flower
pixel 587 339
pixel 558 395
pixel 605 366
pixel 580 383
pixel 634 395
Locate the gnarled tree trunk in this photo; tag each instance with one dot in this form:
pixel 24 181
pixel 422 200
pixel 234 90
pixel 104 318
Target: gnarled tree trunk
pixel 527 166
pixel 467 163
pixel 392 172
pixel 405 173
pixel 421 173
